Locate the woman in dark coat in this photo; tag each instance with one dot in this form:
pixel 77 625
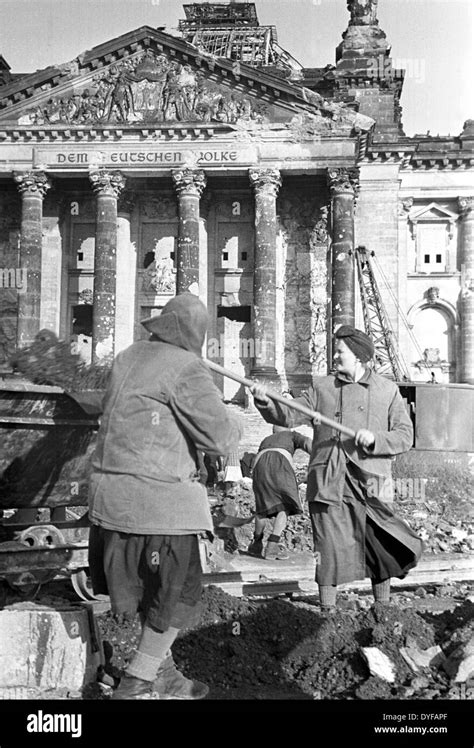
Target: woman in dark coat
pixel 275 487
pixel 349 489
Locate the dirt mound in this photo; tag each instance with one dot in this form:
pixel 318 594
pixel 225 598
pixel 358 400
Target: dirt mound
pixel 288 649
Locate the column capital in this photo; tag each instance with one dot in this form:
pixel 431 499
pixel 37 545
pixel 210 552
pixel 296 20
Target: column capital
pixel 265 181
pixel 343 181
pixel 189 182
pixel 465 205
pixel 404 207
pixel 126 202
pixel 109 183
pixel 32 183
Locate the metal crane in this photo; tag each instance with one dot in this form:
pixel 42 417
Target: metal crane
pixel 388 359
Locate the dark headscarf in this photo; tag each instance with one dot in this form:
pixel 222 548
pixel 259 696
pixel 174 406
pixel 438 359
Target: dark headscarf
pixel 359 343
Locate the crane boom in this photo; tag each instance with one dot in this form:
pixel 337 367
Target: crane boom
pixel 376 322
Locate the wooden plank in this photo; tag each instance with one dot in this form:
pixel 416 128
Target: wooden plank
pixel 273 580
pixel 33 421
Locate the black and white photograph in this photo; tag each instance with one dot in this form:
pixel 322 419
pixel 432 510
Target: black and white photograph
pixel 236 370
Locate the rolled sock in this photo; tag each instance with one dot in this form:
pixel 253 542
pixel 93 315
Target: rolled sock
pixel 327 595
pixel 381 591
pixel 274 538
pixel 153 648
pixel 143 666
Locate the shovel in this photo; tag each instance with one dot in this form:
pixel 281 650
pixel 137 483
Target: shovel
pixel 230 521
pixel 313 415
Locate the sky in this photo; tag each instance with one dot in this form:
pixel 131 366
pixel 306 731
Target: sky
pixel 432 39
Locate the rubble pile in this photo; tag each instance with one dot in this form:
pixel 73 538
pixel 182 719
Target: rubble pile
pixel 442 512
pixel 247 648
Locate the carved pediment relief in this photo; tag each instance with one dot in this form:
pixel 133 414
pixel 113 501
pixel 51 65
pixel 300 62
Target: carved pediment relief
pixel 150 88
pixel 147 77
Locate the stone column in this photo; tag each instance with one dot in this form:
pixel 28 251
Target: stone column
pixel 403 209
pixel 343 184
pixel 107 186
pixel 466 209
pixel 33 186
pixel 189 184
pixel 266 183
pixel 126 274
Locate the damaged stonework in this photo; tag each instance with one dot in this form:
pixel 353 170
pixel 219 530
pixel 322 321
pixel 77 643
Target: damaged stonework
pixel 10 255
pixel 303 239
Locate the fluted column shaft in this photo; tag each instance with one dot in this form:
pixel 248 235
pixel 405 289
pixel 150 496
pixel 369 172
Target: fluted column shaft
pixel 33 187
pixel 342 185
pixel 266 183
pixel 189 184
pixel 107 186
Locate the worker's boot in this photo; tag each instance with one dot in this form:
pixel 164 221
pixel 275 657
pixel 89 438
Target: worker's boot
pixel 171 684
pixel 273 552
pixel 134 688
pixel 256 548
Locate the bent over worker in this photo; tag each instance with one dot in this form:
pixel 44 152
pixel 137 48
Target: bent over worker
pixel 275 488
pixel 349 489
pixel 147 505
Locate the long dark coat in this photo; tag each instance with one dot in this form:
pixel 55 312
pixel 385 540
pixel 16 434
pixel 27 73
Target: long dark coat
pixel 349 489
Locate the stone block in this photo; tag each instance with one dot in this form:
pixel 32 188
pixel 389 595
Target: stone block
pixel 460 665
pixel 47 648
pixel 379 664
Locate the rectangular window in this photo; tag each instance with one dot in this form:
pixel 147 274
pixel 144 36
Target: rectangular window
pixel 236 313
pixel 431 246
pixel 235 243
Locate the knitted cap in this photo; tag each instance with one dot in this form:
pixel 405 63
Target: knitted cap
pixel 359 343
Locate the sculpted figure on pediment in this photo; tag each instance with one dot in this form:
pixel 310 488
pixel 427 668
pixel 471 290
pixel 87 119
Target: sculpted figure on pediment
pixel 151 88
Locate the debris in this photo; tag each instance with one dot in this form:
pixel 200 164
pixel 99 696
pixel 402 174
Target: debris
pixel 420 592
pixel 460 664
pixel 416 685
pixel 417 658
pixel 379 664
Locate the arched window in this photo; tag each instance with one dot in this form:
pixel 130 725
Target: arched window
pixel 433 342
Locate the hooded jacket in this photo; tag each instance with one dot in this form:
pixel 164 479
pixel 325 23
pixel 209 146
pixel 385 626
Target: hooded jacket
pixel 160 409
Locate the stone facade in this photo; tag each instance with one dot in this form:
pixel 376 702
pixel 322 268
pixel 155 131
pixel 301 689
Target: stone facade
pixel 148 166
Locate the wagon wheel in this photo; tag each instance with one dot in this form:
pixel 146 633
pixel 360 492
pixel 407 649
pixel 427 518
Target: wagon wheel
pixel 28 583
pixel 82 586
pixel 24 583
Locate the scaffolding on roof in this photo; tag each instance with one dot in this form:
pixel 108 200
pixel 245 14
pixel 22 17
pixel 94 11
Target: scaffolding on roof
pixel 232 31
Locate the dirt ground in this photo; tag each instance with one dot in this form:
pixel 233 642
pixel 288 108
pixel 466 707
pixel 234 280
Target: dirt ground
pixel 286 648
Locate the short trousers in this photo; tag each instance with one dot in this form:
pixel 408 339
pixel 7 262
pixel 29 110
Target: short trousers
pixel 158 576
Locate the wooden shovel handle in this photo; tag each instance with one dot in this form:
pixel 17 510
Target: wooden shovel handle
pixel 312 414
